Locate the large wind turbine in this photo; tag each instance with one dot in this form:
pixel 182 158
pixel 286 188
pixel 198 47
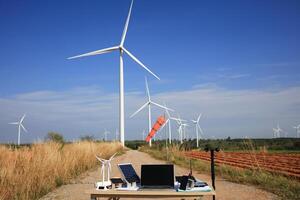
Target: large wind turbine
pixel 20 125
pixel 198 128
pixel 121 50
pixel 149 103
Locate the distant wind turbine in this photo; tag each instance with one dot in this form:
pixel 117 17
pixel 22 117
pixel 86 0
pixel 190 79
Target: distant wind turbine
pixel 105 134
pixel 198 128
pixel 168 122
pixel 149 103
pixel 121 50
pixel 180 127
pixel 143 135
pixel 20 125
pixel 277 131
pixel 117 134
pixel 184 130
pixel 297 130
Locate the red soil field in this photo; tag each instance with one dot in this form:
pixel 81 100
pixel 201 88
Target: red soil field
pixel 282 163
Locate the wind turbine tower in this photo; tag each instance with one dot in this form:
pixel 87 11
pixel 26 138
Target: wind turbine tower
pixel 121 49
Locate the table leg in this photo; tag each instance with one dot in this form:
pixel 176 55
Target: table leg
pixel 93 197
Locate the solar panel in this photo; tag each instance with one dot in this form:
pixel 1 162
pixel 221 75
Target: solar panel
pixel 129 173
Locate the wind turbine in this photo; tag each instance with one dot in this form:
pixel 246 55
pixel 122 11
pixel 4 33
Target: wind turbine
pixel 106 165
pixel 117 135
pixel 149 103
pixel 20 125
pixel 277 131
pixel 121 50
pixel 168 121
pixel 180 127
pixel 297 130
pixel 184 130
pixel 198 128
pixel 105 134
pixel 143 135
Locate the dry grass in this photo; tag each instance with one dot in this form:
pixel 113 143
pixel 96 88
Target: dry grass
pixel 31 172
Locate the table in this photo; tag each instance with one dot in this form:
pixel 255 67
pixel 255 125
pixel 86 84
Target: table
pixel 146 193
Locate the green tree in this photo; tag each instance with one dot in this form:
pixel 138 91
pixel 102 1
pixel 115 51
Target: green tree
pixel 55 137
pixel 87 138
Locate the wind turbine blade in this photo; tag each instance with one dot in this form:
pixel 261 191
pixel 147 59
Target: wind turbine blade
pixel 167 111
pixel 141 108
pixel 161 128
pixel 126 25
pixel 97 52
pixel 147 88
pixel 200 129
pixel 112 157
pixel 100 159
pixel 199 117
pixel 22 118
pixel 23 128
pixel 15 123
pixel 163 107
pixel 140 63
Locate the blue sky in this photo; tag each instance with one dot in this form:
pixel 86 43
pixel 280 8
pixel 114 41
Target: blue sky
pixel 248 50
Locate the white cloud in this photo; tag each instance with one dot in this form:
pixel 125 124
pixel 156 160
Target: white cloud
pixel 88 110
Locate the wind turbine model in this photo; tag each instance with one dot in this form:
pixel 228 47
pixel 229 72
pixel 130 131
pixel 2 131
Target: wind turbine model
pixel 297 130
pixel 121 50
pixel 20 125
pixel 198 128
pixel 106 165
pixel 105 134
pixel 277 131
pixel 149 103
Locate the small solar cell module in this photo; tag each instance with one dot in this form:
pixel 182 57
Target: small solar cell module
pixel 129 173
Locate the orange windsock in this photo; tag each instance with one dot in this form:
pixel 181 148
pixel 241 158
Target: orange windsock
pixel 159 122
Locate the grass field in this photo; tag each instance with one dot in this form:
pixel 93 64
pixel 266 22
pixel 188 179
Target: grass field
pixel 284 187
pixel 30 172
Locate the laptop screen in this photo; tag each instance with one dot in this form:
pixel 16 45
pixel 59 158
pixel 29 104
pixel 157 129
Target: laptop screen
pixel 157 176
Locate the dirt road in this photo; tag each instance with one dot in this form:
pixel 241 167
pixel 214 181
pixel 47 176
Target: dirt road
pixel 225 190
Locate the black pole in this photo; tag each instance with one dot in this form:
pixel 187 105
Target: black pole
pixel 212 169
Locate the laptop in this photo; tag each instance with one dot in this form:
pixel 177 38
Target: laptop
pixel 157 176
